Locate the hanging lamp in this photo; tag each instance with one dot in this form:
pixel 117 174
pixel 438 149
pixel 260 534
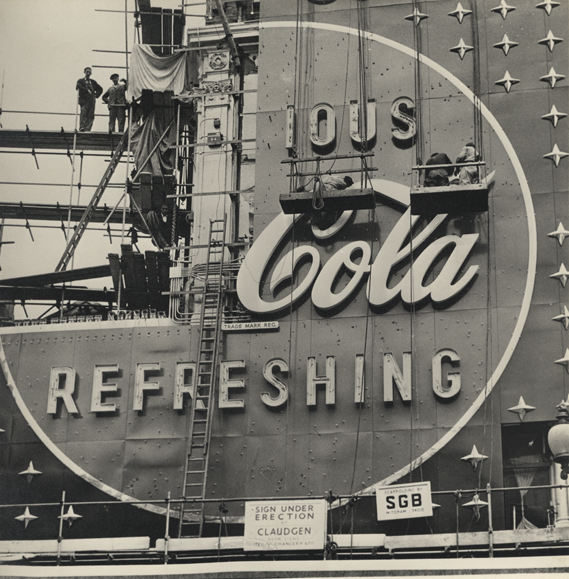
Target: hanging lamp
pixel 558 439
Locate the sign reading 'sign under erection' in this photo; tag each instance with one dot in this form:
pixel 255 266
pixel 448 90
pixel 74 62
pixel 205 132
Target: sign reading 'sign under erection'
pixel 283 525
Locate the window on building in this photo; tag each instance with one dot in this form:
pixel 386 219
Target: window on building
pixel 526 462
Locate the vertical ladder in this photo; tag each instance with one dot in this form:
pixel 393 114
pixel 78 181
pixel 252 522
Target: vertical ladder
pixel 82 226
pixel 197 459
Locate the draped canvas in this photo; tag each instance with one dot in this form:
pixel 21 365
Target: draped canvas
pixel 157 73
pixel 144 139
pixel 524 478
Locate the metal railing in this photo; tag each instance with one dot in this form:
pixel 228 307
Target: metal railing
pixel 481 543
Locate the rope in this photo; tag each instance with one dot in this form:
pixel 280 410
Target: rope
pixel 317 189
pixel 173 233
pixel 72 168
pixel 417 45
pixel 477 112
pixel 364 178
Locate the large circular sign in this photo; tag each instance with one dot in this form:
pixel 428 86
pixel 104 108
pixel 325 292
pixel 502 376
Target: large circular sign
pixel 258 277
pixel 332 321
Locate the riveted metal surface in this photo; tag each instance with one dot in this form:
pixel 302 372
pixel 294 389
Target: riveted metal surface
pixel 394 448
pixel 106 458
pixel 469 330
pixel 265 465
pixel 227 466
pixel 540 382
pixel 531 105
pixel 234 422
pixel 44 487
pixel 33 377
pixel 298 418
pixel 353 453
pixel 11 345
pixel 269 156
pixel 153 467
pixel 101 348
pixel 526 61
pixel 158 419
pixel 296 460
pixel 550 210
pixel 560 137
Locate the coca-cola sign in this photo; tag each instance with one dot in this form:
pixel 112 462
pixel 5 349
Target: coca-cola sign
pixel 398 246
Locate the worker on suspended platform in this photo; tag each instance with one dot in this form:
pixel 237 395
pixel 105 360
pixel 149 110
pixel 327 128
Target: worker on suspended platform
pixel 469 174
pixel 319 216
pixel 330 182
pixel 438 177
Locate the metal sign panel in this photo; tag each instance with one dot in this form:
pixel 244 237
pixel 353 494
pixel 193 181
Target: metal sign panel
pixel 285 525
pixel 404 501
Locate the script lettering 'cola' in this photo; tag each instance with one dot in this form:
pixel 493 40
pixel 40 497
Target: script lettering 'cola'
pixel 393 251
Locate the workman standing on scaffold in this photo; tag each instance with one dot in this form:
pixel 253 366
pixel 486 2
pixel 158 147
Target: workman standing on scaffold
pixel 115 98
pixel 89 91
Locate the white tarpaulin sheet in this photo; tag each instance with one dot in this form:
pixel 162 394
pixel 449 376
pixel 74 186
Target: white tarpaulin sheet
pixel 157 73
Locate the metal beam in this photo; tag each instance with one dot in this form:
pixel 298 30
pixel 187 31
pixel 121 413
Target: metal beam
pixel 56 294
pixel 228 34
pixel 49 212
pixel 45 279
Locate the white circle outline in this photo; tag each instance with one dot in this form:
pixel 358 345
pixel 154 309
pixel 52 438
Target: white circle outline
pixel 532 233
pixel 516 334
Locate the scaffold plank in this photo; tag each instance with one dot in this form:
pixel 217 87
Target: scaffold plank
pixel 92 141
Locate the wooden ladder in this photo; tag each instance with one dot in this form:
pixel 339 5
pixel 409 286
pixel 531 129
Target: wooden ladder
pixel 90 209
pixel 197 459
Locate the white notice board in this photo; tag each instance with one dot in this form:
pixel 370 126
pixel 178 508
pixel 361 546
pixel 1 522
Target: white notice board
pixel 404 501
pixel 284 525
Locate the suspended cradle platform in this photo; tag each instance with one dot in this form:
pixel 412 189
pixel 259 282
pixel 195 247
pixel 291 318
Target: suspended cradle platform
pixel 334 200
pixel 451 198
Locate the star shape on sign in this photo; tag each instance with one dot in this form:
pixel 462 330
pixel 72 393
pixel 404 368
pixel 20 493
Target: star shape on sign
pixel 416 16
pixel 460 12
pixel 548 5
pixel 521 408
pixel 563 318
pixel 561 275
pixel 461 49
pixel 474 457
pixel 552 77
pixel 70 516
pixel 26 517
pixel 503 9
pixel 476 504
pixel 561 233
pixel 507 82
pixel 565 360
pixel 556 155
pixel 30 472
pixel 506 44
pixel 554 116
pixel 550 41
